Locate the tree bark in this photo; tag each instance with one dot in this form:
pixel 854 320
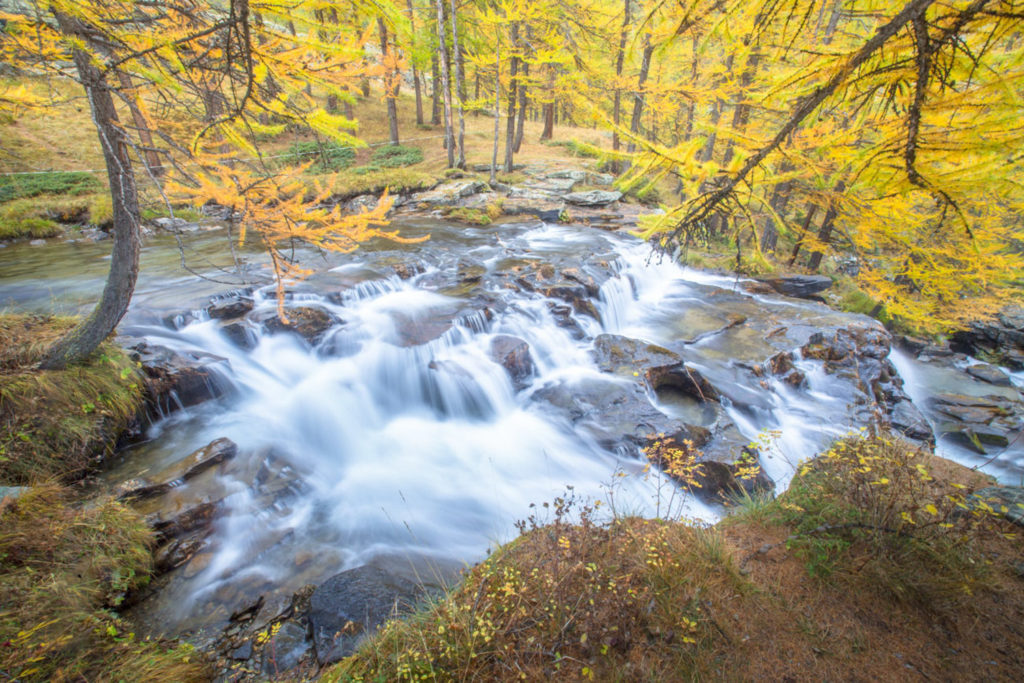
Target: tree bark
pixel 708 151
pixel 460 90
pixel 497 108
pixel 415 71
pixel 81 341
pixel 150 155
pixel 741 114
pixel 390 83
pixel 825 231
pixel 442 51
pixel 521 114
pixel 620 59
pixel 805 230
pixel 510 129
pixel 549 121
pixel 638 97
pixel 435 105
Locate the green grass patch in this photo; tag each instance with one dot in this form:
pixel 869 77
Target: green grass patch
pixel 54 424
pixel 63 570
pixel 396 156
pixel 58 182
pixel 28 228
pixel 353 183
pixel 327 157
pixel 579 149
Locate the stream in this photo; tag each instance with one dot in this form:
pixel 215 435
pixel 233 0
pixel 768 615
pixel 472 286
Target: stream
pixel 399 435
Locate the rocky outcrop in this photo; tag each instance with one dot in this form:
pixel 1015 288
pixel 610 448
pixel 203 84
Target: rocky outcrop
pixel 351 605
pixel 448 194
pixel 659 367
pixel 176 380
pixel 1002 337
pixel 978 423
pixel 801 286
pixel 192 465
pixel 860 356
pixel 593 197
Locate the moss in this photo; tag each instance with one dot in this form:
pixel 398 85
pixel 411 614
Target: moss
pixel 325 156
pixel 396 156
pixel 58 182
pixel 53 424
pixel 470 216
pixel 350 184
pixel 63 568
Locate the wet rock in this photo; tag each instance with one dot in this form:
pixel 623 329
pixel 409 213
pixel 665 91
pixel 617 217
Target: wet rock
pixel 563 317
pixel 801 286
pixel 198 517
pixel 657 366
pixel 989 373
pixel 230 308
pixel 178 380
pixel 1002 337
pixel 513 354
pixel 177 552
pixel 593 197
pixel 286 649
pixel 978 422
pixel 448 194
pixel 241 334
pixel 243 652
pixel 1007 501
pixel 571 286
pixel 214 453
pixel 781 365
pixel 908 420
pixel 306 321
pixel 546 184
pixel 538 205
pixel 351 605
pixel 420 329
pixel 470 270
pixel 407 269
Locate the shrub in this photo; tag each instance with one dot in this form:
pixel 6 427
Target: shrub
pixel 58 182
pixel 326 156
pixel 396 156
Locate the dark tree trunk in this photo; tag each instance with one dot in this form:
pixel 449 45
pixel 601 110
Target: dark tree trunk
pixel 415 71
pixel 741 114
pixel 435 92
pixel 460 90
pixel 521 115
pixel 549 121
pixel 805 230
pixel 390 83
pixel 497 107
pixel 716 116
pixel 825 231
pixel 510 130
pixel 442 51
pixel 620 59
pixel 638 98
pixel 124 262
pixel 150 155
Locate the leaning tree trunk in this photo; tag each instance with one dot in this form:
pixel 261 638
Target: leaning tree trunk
pixel 825 231
pixel 124 262
pixel 638 98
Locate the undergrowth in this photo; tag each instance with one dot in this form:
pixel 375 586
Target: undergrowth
pixel 54 423
pixel 63 569
pixel 22 186
pixel 395 156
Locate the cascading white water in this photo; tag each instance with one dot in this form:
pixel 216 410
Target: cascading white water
pixel 371 445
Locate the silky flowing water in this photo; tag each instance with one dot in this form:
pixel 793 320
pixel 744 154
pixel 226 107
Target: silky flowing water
pixel 370 447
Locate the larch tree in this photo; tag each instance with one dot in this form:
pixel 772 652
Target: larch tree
pixel 240 61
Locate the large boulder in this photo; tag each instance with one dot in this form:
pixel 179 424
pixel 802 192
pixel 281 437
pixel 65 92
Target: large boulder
pixel 214 453
pixel 1001 337
pixel 657 366
pixel 448 194
pixel 801 286
pixel 538 205
pixel 978 422
pixel 593 197
pixel 352 605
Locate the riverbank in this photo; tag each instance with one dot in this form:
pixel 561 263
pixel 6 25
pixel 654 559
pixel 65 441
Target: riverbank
pixel 69 558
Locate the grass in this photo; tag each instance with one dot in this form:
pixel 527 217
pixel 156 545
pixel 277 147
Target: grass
pixel 842 573
pixel 57 182
pixel 63 568
pixel 396 156
pixel 53 424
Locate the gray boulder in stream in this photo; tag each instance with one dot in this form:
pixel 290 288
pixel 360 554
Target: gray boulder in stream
pixel 178 379
pixel 801 286
pixel 593 197
pixel 350 606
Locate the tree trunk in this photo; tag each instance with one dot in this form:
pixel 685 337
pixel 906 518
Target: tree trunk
pixel 460 90
pixel 833 21
pixel 390 82
pixel 825 231
pixel 510 129
pixel 415 71
pixel 620 59
pixel 549 121
pixel 435 105
pixel 521 115
pixel 442 51
pixel 741 114
pixel 77 344
pixel 805 230
pixel 778 203
pixel 638 97
pixel 150 155
pixel 708 152
pixel 497 108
